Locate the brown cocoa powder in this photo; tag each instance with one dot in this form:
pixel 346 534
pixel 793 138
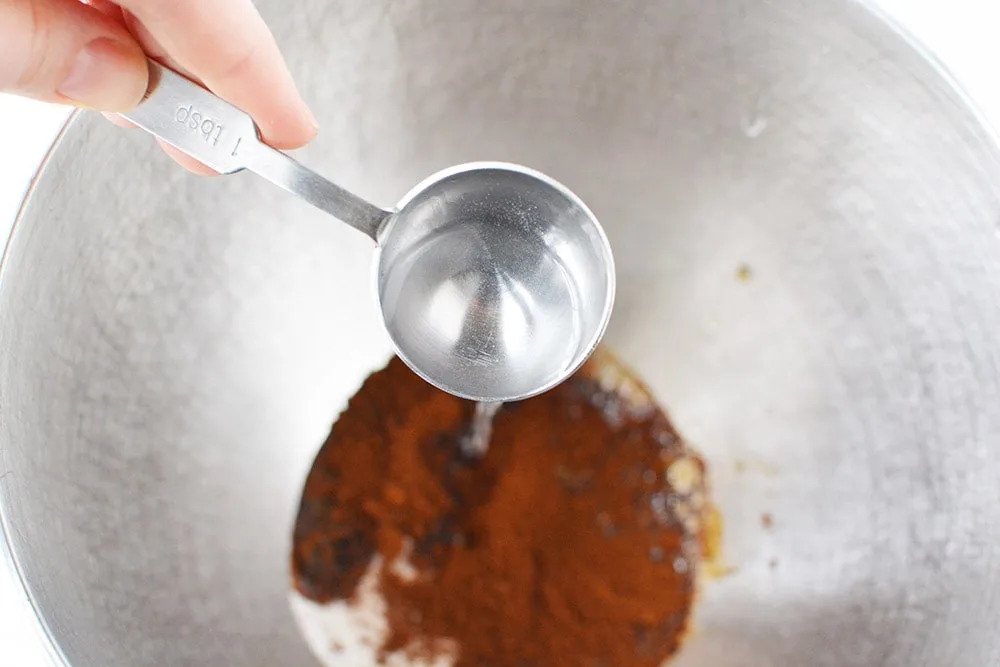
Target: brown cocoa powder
pixel 575 540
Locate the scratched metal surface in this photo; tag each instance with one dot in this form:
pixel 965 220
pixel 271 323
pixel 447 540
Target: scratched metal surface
pixel 805 217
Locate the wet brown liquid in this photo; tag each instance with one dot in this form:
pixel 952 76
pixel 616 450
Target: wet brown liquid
pixel 574 540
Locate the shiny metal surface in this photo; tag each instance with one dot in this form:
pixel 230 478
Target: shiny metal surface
pixel 804 218
pixel 495 282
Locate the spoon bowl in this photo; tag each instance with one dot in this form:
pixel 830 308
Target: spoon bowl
pixel 495 282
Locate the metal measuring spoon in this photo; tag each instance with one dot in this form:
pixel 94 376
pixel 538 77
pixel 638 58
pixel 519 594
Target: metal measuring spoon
pixel 495 282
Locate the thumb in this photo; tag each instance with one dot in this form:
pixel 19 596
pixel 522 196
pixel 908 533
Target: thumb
pixel 66 51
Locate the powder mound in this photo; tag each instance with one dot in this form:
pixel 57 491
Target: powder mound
pixel 574 540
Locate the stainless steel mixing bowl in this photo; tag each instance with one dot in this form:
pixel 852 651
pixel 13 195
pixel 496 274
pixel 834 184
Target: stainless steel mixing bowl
pixel 805 217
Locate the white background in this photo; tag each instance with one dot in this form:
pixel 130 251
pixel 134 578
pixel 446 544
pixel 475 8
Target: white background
pixel 963 34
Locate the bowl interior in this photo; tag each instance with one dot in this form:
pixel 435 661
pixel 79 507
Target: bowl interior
pixel 803 215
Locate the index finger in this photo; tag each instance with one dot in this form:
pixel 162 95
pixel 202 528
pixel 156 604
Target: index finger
pixel 227 45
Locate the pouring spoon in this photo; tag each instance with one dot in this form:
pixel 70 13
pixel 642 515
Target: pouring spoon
pixel 494 281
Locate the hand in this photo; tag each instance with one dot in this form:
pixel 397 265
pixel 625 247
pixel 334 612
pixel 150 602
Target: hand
pixel 93 54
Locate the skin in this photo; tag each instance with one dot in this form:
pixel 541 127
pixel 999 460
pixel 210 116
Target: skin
pixel 92 54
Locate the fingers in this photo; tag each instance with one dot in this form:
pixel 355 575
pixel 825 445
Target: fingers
pixel 226 45
pixel 186 161
pixel 66 51
pixel 107 7
pixel 92 53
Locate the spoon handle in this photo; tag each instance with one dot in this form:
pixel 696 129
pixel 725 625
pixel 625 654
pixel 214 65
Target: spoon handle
pixel 225 139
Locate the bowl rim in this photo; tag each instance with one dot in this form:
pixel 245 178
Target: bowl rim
pixel 9 562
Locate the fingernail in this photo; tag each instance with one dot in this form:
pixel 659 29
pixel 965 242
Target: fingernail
pixel 311 118
pixel 105 75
